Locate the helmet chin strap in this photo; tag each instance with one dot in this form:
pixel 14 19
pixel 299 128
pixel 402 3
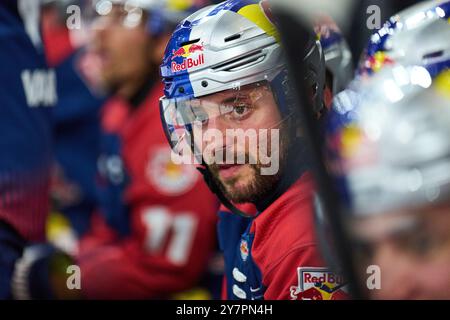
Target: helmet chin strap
pixel 294 168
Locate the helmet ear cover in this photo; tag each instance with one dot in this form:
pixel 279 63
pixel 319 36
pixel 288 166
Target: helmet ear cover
pixel 315 80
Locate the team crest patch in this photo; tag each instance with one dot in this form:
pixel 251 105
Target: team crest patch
pixel 166 176
pixel 244 249
pixel 318 284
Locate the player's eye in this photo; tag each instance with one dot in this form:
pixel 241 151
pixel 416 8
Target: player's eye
pixel 241 110
pixel 419 244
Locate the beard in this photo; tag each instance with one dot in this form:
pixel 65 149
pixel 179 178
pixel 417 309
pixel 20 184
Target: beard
pixel 258 187
pixel 254 191
pixel 255 187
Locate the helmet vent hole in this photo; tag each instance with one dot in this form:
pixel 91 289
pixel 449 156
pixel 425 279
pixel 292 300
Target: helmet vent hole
pixel 433 55
pixel 189 42
pixel 181 89
pixel 205 84
pixel 242 62
pixel 233 37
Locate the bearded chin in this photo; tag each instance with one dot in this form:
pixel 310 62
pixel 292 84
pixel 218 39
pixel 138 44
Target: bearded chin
pixel 256 190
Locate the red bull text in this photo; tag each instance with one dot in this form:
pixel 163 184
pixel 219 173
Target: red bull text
pixel 188 62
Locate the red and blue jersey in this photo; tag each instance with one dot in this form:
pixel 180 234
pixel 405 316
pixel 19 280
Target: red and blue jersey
pixel 156 227
pixel 27 95
pixel 275 255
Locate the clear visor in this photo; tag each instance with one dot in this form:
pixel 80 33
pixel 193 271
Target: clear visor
pixel 249 108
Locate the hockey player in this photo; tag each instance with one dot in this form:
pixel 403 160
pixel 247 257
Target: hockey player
pixel 227 102
pixel 394 177
pixel 389 154
pixel 155 229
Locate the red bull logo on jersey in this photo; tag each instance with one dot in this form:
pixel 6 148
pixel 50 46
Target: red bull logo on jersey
pixel 168 178
pixel 318 284
pixel 186 52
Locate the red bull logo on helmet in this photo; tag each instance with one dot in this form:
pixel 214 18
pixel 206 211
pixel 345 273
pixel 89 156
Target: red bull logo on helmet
pixel 318 284
pixel 186 52
pixel 376 62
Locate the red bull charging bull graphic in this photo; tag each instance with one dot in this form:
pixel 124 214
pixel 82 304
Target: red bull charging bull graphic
pixel 186 52
pixel 319 284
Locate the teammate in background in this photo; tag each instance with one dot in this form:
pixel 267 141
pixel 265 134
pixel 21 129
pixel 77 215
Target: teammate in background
pixel 224 71
pixel 75 123
pixel 389 147
pixel 403 168
pixel 28 94
pixel 155 229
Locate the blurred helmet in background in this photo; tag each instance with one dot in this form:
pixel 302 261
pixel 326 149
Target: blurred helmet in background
pixel 413 36
pixel 387 142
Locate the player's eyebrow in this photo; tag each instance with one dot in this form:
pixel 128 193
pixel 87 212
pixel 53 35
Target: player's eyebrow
pixel 234 97
pixel 228 100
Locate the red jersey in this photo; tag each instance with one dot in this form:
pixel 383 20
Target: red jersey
pixel 275 255
pixel 160 228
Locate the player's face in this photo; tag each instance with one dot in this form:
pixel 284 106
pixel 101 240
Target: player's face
pixel 412 251
pixel 253 110
pixel 122 48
